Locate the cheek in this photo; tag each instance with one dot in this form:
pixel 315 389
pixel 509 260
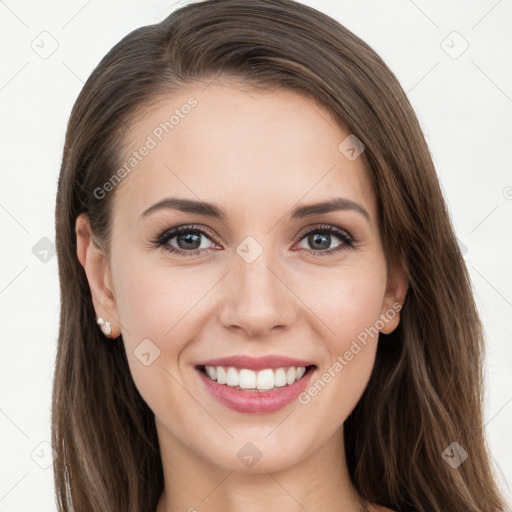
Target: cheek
pixel 153 314
pixel 154 300
pixel 347 302
pixel 158 308
pixel 350 310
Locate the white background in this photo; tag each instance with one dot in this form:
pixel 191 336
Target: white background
pixel 464 105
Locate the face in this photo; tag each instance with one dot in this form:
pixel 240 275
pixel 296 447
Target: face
pixel 257 274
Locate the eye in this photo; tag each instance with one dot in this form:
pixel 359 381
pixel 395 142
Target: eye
pixel 322 236
pixel 187 240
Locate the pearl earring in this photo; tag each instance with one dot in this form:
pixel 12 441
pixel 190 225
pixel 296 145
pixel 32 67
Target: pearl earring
pixel 105 327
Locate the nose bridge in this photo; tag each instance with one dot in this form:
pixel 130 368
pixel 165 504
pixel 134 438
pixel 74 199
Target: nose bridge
pixel 258 299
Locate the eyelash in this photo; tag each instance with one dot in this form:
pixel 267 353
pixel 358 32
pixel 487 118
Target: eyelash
pixel 348 241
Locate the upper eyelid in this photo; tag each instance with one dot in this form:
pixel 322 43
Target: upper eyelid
pixel 324 227
pixel 172 232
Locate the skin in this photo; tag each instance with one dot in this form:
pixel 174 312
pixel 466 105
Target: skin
pixel 256 155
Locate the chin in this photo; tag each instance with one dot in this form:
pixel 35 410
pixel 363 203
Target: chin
pixel 257 454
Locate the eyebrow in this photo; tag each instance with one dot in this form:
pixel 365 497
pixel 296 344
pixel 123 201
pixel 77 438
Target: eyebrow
pixel 210 210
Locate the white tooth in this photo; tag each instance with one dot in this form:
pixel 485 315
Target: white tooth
pixel 247 379
pixel 221 375
pixel 232 377
pixel 301 370
pixel 265 379
pixel 291 375
pixel 210 370
pixel 280 377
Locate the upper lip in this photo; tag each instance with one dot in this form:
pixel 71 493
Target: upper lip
pixel 256 363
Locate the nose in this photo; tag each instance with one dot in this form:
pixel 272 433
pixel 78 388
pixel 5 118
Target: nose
pixel 257 298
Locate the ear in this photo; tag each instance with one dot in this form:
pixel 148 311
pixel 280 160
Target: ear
pixel 97 269
pixel 396 290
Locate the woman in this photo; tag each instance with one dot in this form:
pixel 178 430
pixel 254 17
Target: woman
pixel 317 346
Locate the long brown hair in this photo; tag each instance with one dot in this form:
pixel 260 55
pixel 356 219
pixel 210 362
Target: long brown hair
pixel 426 388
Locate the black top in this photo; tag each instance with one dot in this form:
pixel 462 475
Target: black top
pixel 395 508
pixel 405 508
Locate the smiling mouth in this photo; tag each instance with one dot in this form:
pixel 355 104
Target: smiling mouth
pixel 266 379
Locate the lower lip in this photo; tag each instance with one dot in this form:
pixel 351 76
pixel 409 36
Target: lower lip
pixel 256 402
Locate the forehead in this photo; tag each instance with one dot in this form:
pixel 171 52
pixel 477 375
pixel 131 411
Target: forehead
pixel 254 152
